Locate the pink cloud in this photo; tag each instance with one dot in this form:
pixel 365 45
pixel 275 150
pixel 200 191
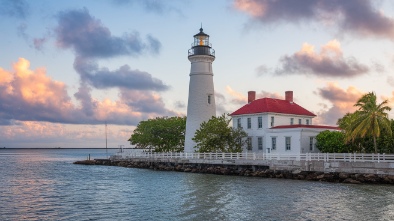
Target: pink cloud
pixel 31 95
pixel 342 101
pixel 358 17
pixel 329 62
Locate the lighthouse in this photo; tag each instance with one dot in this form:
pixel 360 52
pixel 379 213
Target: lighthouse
pixel 201 102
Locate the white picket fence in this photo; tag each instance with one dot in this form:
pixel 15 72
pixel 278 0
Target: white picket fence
pixel 326 157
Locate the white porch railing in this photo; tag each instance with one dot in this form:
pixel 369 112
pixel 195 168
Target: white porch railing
pixel 326 157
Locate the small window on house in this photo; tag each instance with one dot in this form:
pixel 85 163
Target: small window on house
pixel 307 121
pixel 249 123
pixel 239 123
pixel 310 143
pixel 273 141
pixel 299 121
pixel 249 143
pixel 272 121
pixel 260 122
pixel 291 121
pixel 260 143
pixel 288 143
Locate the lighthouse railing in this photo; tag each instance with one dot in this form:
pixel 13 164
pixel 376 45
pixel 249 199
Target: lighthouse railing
pixel 202 50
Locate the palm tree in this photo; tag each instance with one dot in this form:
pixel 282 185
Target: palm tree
pixel 370 118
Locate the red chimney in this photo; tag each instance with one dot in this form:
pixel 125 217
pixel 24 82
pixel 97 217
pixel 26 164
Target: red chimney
pixel 251 96
pixel 289 96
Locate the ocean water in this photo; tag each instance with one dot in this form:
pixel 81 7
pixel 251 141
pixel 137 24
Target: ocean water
pixel 42 184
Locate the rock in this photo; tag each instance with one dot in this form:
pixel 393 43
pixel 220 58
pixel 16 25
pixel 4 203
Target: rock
pixel 370 178
pixel 320 177
pixel 344 175
pixel 86 162
pixel 352 181
pixel 389 179
pixel 296 171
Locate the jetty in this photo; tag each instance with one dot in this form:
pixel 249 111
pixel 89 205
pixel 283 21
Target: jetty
pixel 329 167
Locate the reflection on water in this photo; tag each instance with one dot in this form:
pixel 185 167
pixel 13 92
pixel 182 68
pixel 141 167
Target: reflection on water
pixel 45 185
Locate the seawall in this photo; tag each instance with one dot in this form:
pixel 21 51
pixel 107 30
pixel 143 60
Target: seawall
pixel 318 171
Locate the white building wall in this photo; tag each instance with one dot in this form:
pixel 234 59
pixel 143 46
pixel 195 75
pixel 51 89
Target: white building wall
pixel 300 137
pixel 295 137
pixel 200 87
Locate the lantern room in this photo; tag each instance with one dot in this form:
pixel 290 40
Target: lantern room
pixel 201 45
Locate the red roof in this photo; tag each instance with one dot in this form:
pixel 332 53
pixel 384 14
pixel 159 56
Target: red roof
pixel 271 105
pixel 306 126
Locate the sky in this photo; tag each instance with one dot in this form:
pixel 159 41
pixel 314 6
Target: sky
pixel 69 67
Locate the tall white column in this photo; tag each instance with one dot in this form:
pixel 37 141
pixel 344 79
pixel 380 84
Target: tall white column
pixel 201 103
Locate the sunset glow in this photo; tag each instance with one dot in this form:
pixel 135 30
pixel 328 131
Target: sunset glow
pixel 68 68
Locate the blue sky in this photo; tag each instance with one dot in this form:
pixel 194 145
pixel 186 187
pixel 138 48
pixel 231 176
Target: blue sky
pixel 67 67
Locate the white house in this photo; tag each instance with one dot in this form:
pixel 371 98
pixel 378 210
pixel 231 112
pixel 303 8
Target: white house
pixel 277 126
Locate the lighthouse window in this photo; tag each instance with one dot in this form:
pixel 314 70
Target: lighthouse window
pixel 209 99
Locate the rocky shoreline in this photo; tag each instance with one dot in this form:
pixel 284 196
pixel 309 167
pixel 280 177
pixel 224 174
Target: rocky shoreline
pixel 247 170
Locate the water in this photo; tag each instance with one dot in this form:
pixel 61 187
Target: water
pixel 45 185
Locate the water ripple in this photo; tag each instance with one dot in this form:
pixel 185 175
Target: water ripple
pixel 45 185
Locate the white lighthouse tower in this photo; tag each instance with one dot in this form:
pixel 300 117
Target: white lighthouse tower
pixel 201 104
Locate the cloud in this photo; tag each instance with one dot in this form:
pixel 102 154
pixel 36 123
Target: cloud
pixel 23 92
pixel 146 102
pixel 221 103
pixel 180 105
pixel 14 8
pixel 264 94
pixel 89 38
pixel 359 17
pixel 30 95
pixel 237 98
pixel 329 62
pixel 38 43
pixel 390 80
pixel 50 135
pixel 159 7
pixel 262 70
pixel 342 102
pixel 123 77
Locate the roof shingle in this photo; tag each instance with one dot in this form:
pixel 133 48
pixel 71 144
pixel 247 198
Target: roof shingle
pixel 271 105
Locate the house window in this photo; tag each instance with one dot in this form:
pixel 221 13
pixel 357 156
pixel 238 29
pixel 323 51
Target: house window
pixel 272 121
pixel 291 121
pixel 288 143
pixel 249 123
pixel 239 123
pixel 307 121
pixel 311 143
pixel 249 143
pixel 299 121
pixel 273 139
pixel 209 99
pixel 260 122
pixel 260 143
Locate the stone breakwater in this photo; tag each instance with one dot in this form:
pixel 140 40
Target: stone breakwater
pixel 248 170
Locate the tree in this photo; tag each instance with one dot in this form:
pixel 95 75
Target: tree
pixel 370 119
pixel 215 135
pixel 331 142
pixel 162 134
